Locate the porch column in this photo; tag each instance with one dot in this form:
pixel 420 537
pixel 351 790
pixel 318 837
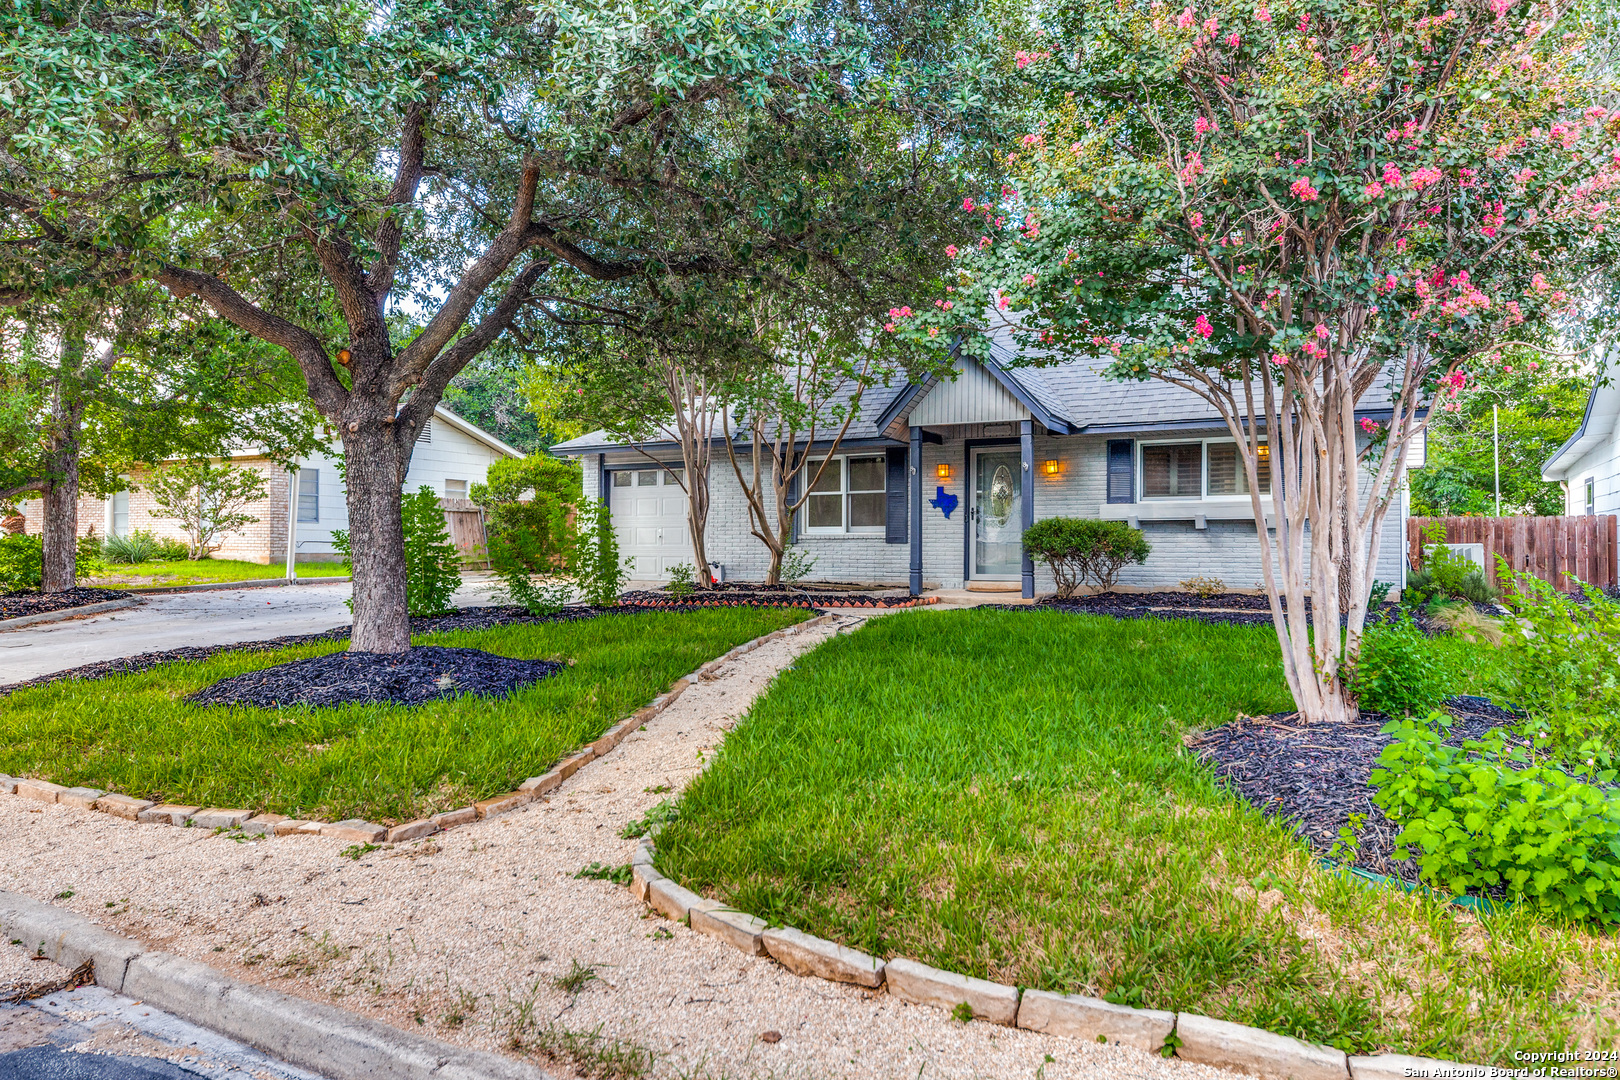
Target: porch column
pixel 916 511
pixel 1026 460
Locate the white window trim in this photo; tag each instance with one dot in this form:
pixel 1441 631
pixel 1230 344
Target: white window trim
pixel 1203 495
pixel 841 462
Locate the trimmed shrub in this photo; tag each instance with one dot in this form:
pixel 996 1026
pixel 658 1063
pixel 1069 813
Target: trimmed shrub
pixel 1399 671
pixel 22 562
pixel 529 507
pixel 1079 550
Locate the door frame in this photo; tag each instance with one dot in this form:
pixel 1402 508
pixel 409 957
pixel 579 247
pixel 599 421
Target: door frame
pixel 969 500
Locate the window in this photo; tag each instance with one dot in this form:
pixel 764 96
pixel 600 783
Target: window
pixel 309 494
pixel 848 497
pixel 621 479
pixel 1173 470
pixel 1226 472
pixel 1591 496
pixel 120 513
pixel 455 489
pixel 647 478
pixel 675 477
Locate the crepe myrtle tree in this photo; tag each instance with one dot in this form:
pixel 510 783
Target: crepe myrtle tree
pixel 471 157
pixel 1314 216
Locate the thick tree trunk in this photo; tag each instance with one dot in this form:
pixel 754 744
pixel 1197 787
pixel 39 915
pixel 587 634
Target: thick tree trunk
pixel 60 532
pixel 374 472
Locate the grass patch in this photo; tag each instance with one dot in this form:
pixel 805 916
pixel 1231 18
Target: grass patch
pixel 1007 795
pixel 151 575
pixel 135 734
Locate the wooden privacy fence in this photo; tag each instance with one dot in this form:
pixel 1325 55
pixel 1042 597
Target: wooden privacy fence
pixel 465 520
pixel 1551 548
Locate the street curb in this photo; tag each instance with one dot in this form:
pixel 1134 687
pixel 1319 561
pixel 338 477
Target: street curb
pixel 226 586
pixel 307 1034
pixel 68 613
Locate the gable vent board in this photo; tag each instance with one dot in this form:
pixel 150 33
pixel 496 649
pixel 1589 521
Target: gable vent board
pixel 427 433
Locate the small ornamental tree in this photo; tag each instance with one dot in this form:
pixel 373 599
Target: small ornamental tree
pixel 209 501
pixel 1319 217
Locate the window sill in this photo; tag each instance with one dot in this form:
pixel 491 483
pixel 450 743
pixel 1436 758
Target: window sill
pixel 870 534
pixel 1240 508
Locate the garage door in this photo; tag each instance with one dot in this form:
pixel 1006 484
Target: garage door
pixel 649 517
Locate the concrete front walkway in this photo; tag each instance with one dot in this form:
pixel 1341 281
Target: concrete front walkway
pixel 178 620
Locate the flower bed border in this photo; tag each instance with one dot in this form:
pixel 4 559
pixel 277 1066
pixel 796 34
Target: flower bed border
pixel 814 605
pixel 356 830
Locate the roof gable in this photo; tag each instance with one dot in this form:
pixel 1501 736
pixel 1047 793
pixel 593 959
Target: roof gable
pixel 973 396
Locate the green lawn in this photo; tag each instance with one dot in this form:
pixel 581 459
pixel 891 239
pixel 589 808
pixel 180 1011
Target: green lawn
pixel 1006 794
pixel 134 734
pixel 151 575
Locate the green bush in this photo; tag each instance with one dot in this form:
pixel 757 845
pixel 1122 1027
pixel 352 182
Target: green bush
pixel 1083 549
pixel 141 546
pixel 1399 671
pixel 1537 832
pixel 432 563
pixel 22 562
pixel 1446 575
pixel 528 504
pixel 597 567
pixel 1561 660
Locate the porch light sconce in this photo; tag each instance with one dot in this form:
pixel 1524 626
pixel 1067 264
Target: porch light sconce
pixel 1051 467
pixel 943 471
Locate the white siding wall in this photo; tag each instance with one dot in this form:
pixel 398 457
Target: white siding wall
pixel 1228 550
pixel 1601 464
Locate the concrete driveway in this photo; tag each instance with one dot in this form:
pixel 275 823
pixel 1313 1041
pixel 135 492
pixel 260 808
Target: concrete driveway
pixel 176 620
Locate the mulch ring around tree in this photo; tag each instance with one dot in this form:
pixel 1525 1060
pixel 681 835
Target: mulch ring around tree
pixel 821 594
pixel 1313 777
pixel 425 673
pixel 18 604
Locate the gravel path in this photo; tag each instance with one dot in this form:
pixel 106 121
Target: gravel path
pixel 464 936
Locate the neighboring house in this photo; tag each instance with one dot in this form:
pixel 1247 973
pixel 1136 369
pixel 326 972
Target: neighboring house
pixel 1588 464
pixel 450 456
pixel 935 483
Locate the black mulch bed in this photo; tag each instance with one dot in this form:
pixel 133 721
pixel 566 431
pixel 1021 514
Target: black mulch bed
pixel 426 673
pixel 1230 609
pixel 474 618
pixel 18 604
pixel 1314 776
pixel 751 594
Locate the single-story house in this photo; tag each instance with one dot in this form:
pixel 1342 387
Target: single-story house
pixel 935 483
pixel 451 455
pixel 1588 464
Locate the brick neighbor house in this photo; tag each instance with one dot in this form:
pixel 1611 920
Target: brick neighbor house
pixel 450 456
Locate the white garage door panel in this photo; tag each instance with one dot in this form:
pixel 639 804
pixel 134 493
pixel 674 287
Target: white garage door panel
pixel 650 522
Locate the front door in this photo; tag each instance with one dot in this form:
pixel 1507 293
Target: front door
pixel 998 515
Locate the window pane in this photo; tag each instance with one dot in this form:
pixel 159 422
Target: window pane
pixel 647 478
pixel 866 474
pixel 621 479
pixel 866 510
pixel 832 476
pixel 675 477
pixel 455 489
pixel 825 512
pixel 1172 470
pixel 309 494
pixel 1262 468
pixel 1226 475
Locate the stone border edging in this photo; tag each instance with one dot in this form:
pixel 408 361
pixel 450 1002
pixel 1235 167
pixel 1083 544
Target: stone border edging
pixel 307 1034
pixel 1201 1039
pixel 64 614
pixel 355 830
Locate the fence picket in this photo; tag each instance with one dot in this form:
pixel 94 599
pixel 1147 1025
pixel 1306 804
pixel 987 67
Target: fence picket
pixel 1551 548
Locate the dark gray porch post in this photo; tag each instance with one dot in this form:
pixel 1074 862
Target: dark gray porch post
pixel 1026 458
pixel 916 511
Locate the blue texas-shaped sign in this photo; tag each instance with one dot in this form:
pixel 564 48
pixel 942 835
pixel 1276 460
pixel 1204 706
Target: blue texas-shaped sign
pixel 943 501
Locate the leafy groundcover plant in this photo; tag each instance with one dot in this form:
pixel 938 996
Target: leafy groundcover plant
pixel 1487 817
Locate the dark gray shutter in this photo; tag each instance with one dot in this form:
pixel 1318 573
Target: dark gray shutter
pixel 1121 470
pixel 895 491
pixel 793 493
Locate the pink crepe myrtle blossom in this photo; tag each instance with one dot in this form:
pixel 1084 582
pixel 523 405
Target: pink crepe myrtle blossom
pixel 1233 40
pixel 967 203
pixel 933 331
pixel 1074 148
pixel 1031 140
pixel 1212 27
pixel 1002 303
pixel 950 251
pixel 1302 189
pixel 1422 178
pixel 1185 19
pixel 1195 165
pixel 1263 13
pixel 1533 366
pixel 1524 176
pixel 1312 349
pixel 1373 190
pixel 1370 426
pixel 1279 359
pixel 1202 326
pixel 889 326
pixel 948 305
pixel 1202 126
pixel 1304 22
pixel 1467 178
pixel 1515 316
pixel 1493 220
pixel 1538 282
pixel 1400 244
pixel 1322 331
pixel 1029 279
pixel 1392 176
pixel 1196 219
